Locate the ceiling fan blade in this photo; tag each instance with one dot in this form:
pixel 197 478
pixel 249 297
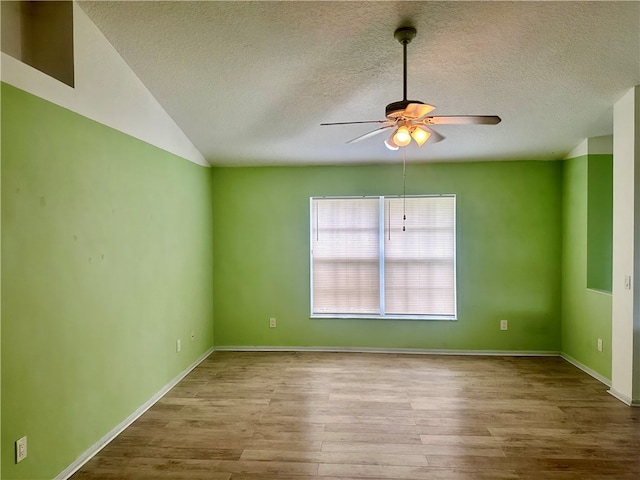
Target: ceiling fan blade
pixel 435 136
pixel 370 134
pixel 351 123
pixel 463 120
pixel 414 111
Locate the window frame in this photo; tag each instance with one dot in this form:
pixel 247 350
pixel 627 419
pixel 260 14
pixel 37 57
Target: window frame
pixel 381 260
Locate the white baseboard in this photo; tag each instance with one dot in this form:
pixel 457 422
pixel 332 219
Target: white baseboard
pixel 415 351
pixel 623 398
pixel 104 441
pixel 586 369
pixel 620 396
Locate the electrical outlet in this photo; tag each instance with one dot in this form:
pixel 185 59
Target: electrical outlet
pixel 272 322
pixel 504 325
pixel 599 344
pixel 21 449
pixel 627 282
pixel 178 345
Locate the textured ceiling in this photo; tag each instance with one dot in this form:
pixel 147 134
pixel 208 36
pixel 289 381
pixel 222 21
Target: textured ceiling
pixel 250 82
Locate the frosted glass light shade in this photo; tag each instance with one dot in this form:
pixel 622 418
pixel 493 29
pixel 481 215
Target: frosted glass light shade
pixel 420 135
pixel 390 144
pixel 402 137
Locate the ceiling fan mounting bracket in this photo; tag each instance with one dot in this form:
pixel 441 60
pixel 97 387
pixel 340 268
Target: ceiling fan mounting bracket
pixel 404 35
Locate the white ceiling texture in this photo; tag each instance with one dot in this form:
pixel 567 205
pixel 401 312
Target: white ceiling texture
pixel 250 82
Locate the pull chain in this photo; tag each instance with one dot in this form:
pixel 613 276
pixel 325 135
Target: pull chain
pixel 404 188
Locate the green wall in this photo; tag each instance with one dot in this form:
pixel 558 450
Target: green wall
pixel 106 261
pixel 508 262
pixel 586 314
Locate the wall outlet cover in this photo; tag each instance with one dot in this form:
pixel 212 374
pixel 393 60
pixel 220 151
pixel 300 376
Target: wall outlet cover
pixel 504 324
pixel 21 449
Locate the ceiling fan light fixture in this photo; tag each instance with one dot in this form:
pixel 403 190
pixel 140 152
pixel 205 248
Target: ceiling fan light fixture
pixel 420 135
pixel 402 137
pixel 390 144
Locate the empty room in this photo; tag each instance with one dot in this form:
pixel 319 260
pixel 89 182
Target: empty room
pixel 337 240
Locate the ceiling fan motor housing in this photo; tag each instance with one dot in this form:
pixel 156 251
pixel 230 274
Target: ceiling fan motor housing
pixel 395 110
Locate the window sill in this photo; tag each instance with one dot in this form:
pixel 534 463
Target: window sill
pixel 597 290
pixel 337 316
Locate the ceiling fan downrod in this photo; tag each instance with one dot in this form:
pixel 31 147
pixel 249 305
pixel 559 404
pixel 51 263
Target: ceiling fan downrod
pixel 404 35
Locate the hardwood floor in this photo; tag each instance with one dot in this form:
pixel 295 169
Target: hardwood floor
pixel 330 416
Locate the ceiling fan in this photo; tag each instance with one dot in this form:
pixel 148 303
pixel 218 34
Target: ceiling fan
pixel 409 118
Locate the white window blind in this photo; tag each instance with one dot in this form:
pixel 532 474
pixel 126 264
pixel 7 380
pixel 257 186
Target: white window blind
pixel 364 264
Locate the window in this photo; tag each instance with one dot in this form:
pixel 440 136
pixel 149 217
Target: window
pixel 369 261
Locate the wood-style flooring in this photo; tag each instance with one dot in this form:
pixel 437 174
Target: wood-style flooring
pixel 347 416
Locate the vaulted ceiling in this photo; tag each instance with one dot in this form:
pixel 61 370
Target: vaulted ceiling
pixel 250 82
